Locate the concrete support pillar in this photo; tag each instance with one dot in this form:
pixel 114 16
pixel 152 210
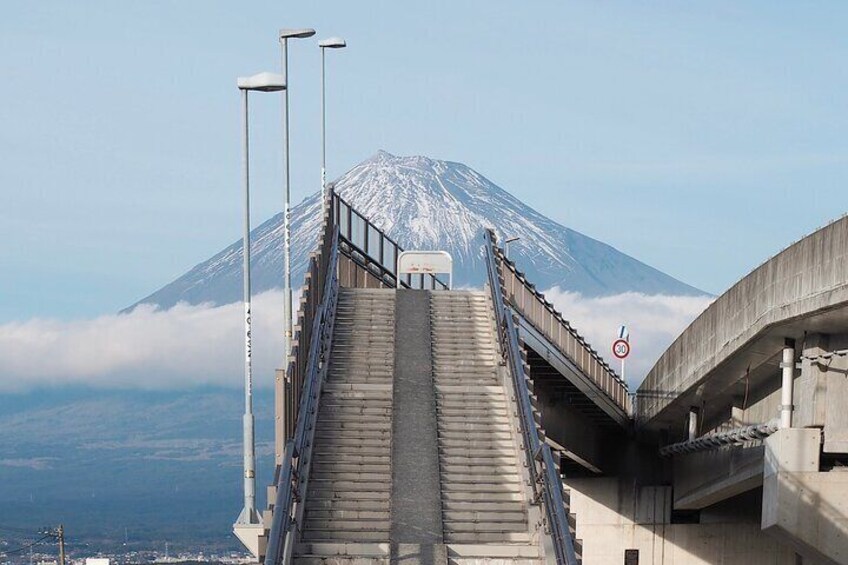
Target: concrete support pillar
pixel 693 423
pixel 786 390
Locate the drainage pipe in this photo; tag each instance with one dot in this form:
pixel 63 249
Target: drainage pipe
pixel 786 389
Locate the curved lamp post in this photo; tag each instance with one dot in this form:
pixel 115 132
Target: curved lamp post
pixel 284 36
pixel 331 43
pixel 248 526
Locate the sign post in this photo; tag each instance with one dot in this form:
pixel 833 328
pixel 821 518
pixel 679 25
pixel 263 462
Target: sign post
pixel 621 347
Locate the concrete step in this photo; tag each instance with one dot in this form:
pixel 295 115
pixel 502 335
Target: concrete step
pixel 346 549
pixel 484 506
pixel 323 431
pixel 343 535
pixel 480 478
pixel 486 516
pixel 451 442
pixel 331 439
pixel 473 465
pixel 355 399
pixel 487 537
pixel 336 475
pixel 362 413
pixel 352 504
pixel 348 455
pixel 472 390
pixel 460 488
pixel 304 559
pixel 370 425
pixel 486 527
pixel 476 451
pixel 350 449
pixel 379 390
pixel 346 525
pixel 471 420
pixel 320 492
pixel 343 467
pixel 320 515
pixel 480 496
pixel 493 551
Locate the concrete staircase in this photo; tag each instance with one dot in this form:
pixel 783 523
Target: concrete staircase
pixel 485 512
pixel 347 503
pixel 482 484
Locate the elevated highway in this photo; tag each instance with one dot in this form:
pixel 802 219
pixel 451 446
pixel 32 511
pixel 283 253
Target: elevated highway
pixel 750 400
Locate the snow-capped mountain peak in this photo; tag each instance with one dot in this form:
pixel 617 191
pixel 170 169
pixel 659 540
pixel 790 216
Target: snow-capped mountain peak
pixel 426 203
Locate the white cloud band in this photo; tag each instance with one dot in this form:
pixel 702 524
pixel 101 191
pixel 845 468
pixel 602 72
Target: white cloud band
pixel 190 346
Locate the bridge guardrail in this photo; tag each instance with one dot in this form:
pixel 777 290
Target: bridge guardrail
pixel 292 474
pixel 547 483
pixel 542 315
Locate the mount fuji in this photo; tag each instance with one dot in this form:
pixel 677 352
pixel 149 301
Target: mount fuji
pixel 426 203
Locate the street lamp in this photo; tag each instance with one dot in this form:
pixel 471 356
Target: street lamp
pixel 331 43
pixel 506 245
pixel 248 526
pixel 284 36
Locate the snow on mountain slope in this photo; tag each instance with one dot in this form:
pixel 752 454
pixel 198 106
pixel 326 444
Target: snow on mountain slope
pixel 425 203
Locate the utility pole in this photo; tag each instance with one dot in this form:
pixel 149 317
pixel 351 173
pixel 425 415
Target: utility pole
pixel 60 533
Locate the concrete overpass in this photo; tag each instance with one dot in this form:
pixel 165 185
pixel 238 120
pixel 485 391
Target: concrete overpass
pixel 750 403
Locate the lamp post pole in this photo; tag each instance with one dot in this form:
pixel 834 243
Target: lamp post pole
pixel 249 444
pixel 249 518
pixel 284 36
pixel 331 43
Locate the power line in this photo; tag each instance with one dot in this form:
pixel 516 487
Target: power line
pixel 24 548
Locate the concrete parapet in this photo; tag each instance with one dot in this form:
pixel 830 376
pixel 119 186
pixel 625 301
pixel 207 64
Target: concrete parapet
pixel 708 477
pixel 617 515
pixel 806 279
pixel 803 507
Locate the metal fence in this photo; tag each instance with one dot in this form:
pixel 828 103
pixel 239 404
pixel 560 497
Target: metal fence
pixel 542 315
pixel 369 255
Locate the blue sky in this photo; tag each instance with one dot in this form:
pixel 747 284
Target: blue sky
pixel 699 138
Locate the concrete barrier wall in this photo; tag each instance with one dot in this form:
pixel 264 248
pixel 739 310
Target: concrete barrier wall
pixel 615 515
pixel 809 276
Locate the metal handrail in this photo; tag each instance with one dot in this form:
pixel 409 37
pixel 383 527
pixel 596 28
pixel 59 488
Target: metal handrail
pixel 382 273
pixel 547 483
pixel 293 473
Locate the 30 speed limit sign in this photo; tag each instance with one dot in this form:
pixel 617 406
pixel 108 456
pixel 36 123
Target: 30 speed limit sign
pixel 620 348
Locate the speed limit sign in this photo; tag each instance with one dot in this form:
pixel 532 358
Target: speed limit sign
pixel 620 348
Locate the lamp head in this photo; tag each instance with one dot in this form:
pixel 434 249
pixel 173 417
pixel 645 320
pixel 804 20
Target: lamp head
pixel 262 82
pixel 296 33
pixel 333 43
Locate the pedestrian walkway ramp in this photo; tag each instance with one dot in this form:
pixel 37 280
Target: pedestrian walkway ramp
pixel 410 432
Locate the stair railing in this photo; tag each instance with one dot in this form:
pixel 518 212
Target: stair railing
pixel 292 478
pixel 545 478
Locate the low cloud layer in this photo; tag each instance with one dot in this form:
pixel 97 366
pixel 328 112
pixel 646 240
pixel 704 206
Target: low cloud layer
pixel 147 348
pixel 190 346
pixel 654 321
